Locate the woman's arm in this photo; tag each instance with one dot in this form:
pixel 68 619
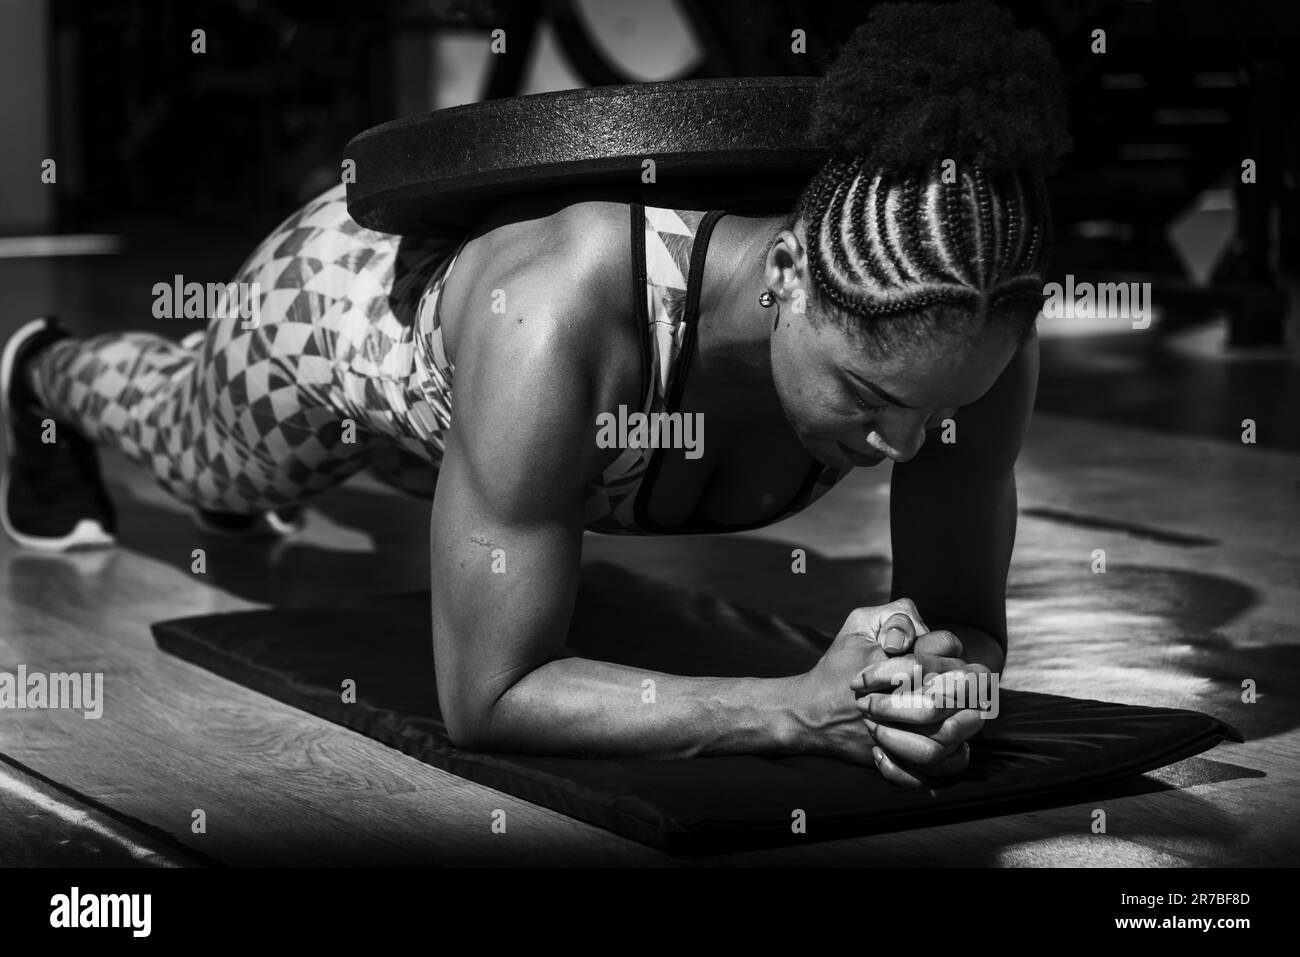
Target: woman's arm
pixel 953 524
pixel 504 681
pixel 953 516
pixel 507 528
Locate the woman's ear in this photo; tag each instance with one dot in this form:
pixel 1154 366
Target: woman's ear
pixel 786 268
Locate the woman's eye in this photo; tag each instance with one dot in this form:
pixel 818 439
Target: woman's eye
pixel 867 405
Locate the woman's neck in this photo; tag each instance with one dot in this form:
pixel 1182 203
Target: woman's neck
pixel 734 335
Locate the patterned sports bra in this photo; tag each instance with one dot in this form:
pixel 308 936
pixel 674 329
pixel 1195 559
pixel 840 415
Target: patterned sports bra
pixel 668 249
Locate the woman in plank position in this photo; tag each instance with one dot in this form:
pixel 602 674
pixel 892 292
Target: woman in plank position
pixel 900 292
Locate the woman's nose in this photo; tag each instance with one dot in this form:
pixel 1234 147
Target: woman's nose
pixel 900 441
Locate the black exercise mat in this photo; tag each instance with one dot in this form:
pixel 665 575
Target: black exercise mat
pixel 1041 748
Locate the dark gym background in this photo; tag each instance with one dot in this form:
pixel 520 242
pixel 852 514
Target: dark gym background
pixel 183 161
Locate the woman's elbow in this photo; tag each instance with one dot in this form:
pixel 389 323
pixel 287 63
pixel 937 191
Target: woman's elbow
pixel 468 722
pixel 471 714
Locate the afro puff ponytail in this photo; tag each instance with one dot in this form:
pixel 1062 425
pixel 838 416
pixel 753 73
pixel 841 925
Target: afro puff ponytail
pixel 918 82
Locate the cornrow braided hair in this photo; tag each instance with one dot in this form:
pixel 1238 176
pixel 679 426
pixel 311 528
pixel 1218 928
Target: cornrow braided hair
pixel 891 241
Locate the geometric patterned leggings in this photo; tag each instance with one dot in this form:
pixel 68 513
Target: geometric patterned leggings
pixel 333 378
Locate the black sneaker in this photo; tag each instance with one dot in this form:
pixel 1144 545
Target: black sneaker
pixel 281 523
pixel 52 495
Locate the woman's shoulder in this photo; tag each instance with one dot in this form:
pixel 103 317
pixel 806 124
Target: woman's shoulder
pixel 566 251
pixel 561 267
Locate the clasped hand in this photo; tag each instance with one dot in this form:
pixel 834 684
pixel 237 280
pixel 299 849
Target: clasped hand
pixel 907 706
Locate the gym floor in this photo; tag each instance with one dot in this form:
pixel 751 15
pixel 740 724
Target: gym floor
pixel 1136 449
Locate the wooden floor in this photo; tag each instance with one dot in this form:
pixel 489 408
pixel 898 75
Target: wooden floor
pixel 1201 593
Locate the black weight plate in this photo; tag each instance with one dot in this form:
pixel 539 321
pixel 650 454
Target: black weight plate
pixel 729 143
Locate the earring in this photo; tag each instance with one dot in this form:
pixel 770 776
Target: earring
pixel 765 298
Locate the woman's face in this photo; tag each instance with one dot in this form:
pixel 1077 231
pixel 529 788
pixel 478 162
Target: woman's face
pixel 851 406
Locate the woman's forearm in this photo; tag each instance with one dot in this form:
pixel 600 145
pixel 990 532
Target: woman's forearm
pixel 979 647
pixel 593 708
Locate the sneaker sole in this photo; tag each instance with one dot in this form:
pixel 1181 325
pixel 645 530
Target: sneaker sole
pixel 87 533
